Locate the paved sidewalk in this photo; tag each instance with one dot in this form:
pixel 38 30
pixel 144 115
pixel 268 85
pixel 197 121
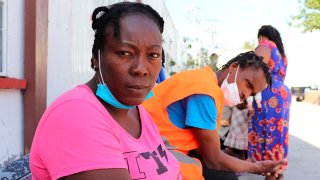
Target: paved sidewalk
pixel 304 144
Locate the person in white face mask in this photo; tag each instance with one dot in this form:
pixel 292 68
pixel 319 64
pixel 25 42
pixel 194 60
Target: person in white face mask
pixel 187 108
pixel 231 91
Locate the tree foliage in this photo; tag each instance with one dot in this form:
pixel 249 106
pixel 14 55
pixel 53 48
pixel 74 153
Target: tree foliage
pixel 308 17
pixel 196 56
pixel 190 63
pixel 249 45
pixel 172 63
pixel 203 56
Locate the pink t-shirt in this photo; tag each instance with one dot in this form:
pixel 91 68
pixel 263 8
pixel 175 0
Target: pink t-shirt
pixel 76 133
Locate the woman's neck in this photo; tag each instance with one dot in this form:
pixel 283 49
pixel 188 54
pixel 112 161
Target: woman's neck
pixel 116 113
pixel 129 119
pixel 264 38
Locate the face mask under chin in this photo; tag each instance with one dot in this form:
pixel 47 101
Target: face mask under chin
pixel 231 91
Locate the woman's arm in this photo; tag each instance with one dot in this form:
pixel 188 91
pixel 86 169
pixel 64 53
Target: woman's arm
pixel 112 174
pixel 265 52
pixel 214 158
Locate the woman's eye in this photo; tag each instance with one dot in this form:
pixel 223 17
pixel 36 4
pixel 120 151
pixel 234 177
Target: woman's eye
pixel 124 53
pixel 249 84
pixel 154 55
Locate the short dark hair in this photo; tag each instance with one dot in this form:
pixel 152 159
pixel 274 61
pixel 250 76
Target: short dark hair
pixel 251 60
pixel 104 16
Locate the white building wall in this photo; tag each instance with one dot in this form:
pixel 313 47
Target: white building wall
pixel 59 77
pixel 173 46
pixel 11 102
pixel 82 40
pixel 69 44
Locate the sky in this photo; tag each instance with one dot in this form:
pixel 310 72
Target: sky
pixel 227 24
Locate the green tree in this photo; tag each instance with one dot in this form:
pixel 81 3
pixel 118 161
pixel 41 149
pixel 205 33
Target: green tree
pixel 172 62
pixel 187 41
pixel 191 63
pixel 203 56
pixel 308 17
pixel 249 45
pixel 194 61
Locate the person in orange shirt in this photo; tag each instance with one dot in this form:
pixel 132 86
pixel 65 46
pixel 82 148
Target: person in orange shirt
pixel 187 109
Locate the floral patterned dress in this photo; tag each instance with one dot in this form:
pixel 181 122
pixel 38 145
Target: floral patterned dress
pixel 268 126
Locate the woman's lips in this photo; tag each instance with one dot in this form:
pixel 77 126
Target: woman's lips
pixel 137 88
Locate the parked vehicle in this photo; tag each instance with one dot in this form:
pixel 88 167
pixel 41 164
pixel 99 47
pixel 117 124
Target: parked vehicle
pixel 300 91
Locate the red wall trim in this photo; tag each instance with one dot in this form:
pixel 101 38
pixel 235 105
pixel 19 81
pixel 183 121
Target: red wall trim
pixel 12 83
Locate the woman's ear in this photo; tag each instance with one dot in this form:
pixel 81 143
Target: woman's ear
pixel 94 63
pixel 233 67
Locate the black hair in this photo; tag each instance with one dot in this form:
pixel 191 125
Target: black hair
pixel 104 16
pixel 251 60
pixel 163 58
pixel 272 34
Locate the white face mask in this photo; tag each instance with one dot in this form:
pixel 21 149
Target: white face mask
pixel 231 91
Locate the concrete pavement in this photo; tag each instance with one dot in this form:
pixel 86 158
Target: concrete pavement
pixel 304 143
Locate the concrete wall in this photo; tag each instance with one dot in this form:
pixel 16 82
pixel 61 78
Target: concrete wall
pixel 11 102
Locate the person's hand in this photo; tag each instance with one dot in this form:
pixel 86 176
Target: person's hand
pixel 271 167
pixel 283 167
pixel 224 123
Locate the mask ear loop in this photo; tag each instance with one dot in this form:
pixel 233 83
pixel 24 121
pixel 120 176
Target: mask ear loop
pixel 100 78
pixel 235 78
pixel 227 77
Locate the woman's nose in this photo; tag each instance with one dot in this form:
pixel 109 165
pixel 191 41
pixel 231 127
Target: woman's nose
pixel 139 66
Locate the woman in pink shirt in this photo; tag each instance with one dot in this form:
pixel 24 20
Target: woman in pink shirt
pixel 99 130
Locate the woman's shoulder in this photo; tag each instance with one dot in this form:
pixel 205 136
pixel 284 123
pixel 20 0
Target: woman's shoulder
pixel 79 100
pixel 267 43
pixel 78 92
pixel 81 93
pixel 74 110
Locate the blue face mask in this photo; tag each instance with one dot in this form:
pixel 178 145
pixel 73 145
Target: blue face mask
pixel 105 94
